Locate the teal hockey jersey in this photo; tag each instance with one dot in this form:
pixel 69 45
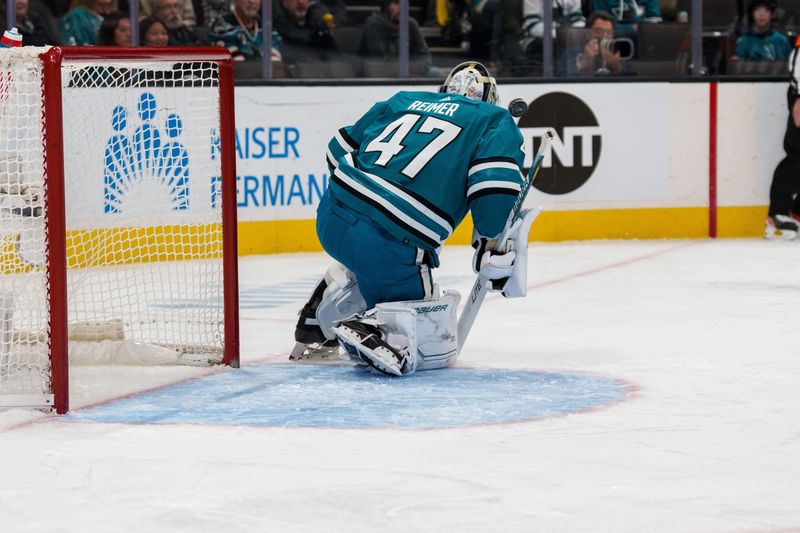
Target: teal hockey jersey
pixel 416 163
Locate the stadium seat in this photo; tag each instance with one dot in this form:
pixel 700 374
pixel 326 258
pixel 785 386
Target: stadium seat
pixel 379 68
pixel 757 68
pixel 787 16
pixel 662 41
pixel 656 69
pixel 568 37
pixel 244 70
pixel 323 70
pixel 347 38
pixel 718 14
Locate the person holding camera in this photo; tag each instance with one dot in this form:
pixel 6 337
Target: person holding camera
pixel 600 54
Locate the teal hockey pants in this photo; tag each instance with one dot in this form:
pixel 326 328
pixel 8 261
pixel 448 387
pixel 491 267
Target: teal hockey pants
pixel 386 269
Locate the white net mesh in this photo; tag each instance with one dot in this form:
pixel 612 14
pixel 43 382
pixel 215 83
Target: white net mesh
pixel 143 213
pixel 24 353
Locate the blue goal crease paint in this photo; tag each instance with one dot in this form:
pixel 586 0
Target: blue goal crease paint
pixel 342 397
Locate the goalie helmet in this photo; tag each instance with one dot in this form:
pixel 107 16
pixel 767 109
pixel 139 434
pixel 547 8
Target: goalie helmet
pixel 471 79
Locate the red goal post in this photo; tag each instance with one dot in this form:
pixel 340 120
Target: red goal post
pixel 117 213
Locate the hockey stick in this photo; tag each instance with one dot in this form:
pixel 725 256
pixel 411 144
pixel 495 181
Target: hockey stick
pixel 481 285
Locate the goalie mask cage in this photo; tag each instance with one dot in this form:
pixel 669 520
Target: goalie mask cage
pixel 117 213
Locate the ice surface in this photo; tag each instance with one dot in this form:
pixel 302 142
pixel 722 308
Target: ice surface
pixel 703 332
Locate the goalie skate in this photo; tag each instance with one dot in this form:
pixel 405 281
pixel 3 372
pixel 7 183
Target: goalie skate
pixel 781 227
pixel 315 351
pixel 364 341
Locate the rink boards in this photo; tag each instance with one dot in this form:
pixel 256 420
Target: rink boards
pixel 631 160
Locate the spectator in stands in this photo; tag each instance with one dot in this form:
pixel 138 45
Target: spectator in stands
pixel 305 35
pixel 115 30
pixel 240 32
pixel 79 27
pixel 186 10
pixel 35 26
pixel 210 11
pixel 170 12
pixel 597 56
pixel 152 32
pixel 761 42
pixel 566 13
pixel 381 36
pixel 629 13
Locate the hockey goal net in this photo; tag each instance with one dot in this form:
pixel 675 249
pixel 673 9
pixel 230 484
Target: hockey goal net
pixel 117 213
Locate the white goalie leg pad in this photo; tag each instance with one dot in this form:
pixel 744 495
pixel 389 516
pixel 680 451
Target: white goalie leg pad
pixel 341 299
pixel 517 284
pixel 427 329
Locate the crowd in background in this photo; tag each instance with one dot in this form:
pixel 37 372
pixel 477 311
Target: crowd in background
pixel 353 38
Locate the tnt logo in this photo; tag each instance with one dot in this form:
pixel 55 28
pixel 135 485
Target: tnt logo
pixel 146 163
pixel 573 155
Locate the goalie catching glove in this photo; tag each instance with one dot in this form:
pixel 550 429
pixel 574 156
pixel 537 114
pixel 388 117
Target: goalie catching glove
pixel 507 270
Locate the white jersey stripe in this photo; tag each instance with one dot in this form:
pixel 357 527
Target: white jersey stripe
pixel 492 164
pixel 387 205
pixel 332 160
pixel 510 185
pixel 401 194
pixel 411 200
pixel 346 147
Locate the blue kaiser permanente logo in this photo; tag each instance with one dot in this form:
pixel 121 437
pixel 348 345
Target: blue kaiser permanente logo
pixel 149 168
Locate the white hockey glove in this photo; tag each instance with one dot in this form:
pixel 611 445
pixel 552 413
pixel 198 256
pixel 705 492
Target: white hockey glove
pixel 490 264
pixel 511 276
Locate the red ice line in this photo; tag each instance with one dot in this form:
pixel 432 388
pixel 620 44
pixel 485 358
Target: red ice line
pixel 610 266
